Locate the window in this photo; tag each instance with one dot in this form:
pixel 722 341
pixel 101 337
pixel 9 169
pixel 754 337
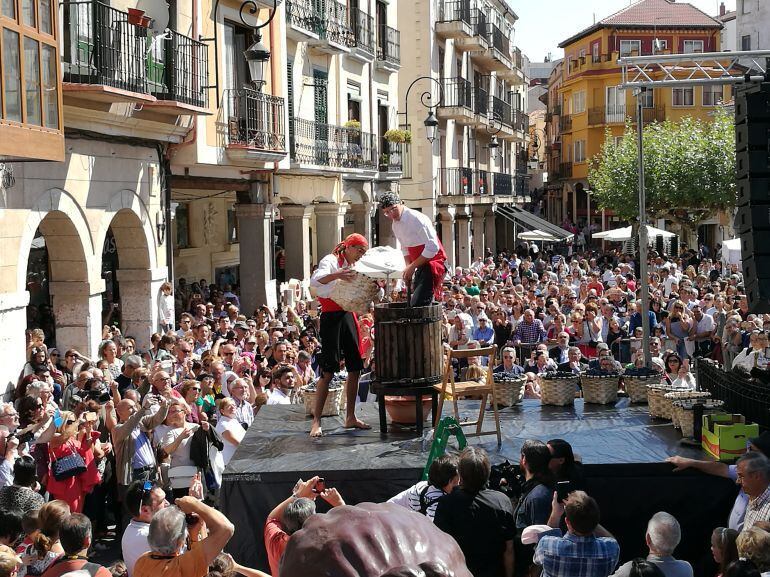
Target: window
pixel 580 151
pixel 648 98
pixel 745 6
pixel 627 47
pixel 683 96
pixel 182 221
pixel 692 46
pixel 746 42
pixel 659 45
pixel 232 225
pixel 712 95
pixel 617 140
pixel 595 56
pixel 579 102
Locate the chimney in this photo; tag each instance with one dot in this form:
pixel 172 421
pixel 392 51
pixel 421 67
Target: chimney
pixel 722 9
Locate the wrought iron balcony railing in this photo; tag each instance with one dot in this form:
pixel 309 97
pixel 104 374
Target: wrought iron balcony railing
pixel 501 110
pixel 458 92
pixel 456 11
pixel 327 19
pixel 516 58
pixel 565 123
pixel 520 120
pixel 389 45
pixel 334 146
pixel 254 120
pixel 522 183
pixel 565 170
pixel 499 40
pixel 502 184
pixel 465 182
pixel 480 100
pixel 363 29
pixel 101 47
pixel 392 157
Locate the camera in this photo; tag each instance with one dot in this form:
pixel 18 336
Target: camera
pixel 320 486
pixel 99 393
pixel 506 478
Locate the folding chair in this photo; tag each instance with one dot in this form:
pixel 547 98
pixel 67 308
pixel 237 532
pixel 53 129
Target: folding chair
pixel 455 390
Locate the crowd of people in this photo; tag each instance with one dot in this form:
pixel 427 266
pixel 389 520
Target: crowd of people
pixel 88 444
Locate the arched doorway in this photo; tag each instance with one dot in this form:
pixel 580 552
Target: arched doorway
pixel 61 300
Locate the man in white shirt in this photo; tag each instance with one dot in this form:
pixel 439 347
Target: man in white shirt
pixel 704 332
pixel 142 500
pixel 283 377
pixel 422 249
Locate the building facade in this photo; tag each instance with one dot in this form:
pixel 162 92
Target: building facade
pixel 462 59
pixel 752 25
pixel 586 102
pixel 92 100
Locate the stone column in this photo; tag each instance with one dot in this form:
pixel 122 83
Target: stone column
pixel 386 236
pixel 139 294
pixel 13 321
pixel 462 219
pixel 362 218
pixel 448 235
pixel 77 308
pixel 256 248
pixel 296 237
pixel 478 231
pixel 490 232
pixel 328 225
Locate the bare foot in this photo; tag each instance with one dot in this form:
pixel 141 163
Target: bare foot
pixel 315 430
pixel 356 424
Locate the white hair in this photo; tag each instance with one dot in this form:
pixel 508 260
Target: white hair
pixel 168 531
pixel 664 533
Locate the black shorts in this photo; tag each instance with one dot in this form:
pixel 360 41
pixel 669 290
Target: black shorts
pixel 339 340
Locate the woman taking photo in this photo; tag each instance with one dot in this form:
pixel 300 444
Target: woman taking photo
pixel 191 393
pixel 174 441
pixel 229 428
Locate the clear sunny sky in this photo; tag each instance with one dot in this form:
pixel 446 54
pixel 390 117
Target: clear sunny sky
pixel 544 23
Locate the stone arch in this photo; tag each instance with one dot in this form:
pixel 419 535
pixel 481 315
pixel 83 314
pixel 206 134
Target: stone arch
pixel 140 253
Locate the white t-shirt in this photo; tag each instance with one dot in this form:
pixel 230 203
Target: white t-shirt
pixel 328 265
pixel 236 429
pixel 414 229
pixel 134 543
pixel 705 324
pixel 278 397
pixel 410 498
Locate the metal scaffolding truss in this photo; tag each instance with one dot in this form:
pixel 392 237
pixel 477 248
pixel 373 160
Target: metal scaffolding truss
pixel 661 70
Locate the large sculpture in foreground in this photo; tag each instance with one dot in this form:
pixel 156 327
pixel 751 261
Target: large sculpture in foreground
pixel 372 540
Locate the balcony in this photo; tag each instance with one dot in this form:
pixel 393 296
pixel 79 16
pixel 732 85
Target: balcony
pixel 389 49
pixel 476 42
pixel 481 102
pixel 651 115
pixel 464 182
pixel 107 59
pixel 565 170
pixel 457 103
pixel 522 183
pixel 501 110
pixel 456 19
pixel 565 123
pixel 362 26
pixel 324 26
pixel 502 184
pixel 392 159
pixel 515 73
pixel 556 110
pixel 520 123
pixel 255 126
pixel 318 144
pixel 596 116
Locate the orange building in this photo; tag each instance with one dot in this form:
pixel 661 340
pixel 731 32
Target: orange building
pixel 586 99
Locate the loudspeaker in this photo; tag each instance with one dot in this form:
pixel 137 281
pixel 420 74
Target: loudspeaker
pixel 752 102
pixel 753 217
pixel 752 163
pixel 674 246
pixel 752 136
pixel 758 296
pixel 660 246
pixel 753 243
pixel 754 191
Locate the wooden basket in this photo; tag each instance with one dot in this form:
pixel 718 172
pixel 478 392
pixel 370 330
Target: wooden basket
pixel 636 387
pixel 599 389
pixel 659 408
pixel 559 391
pixel 681 395
pixel 510 391
pixel 332 405
pixel 684 414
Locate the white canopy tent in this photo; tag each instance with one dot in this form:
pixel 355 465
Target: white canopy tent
pixel 621 234
pixel 731 251
pixel 537 234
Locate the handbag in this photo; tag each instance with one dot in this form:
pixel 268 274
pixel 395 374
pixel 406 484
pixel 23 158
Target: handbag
pixel 68 466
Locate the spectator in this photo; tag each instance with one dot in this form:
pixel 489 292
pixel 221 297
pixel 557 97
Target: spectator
pixel 480 520
pixel 167 537
pixel 742 568
pixel 724 548
pixel 529 331
pixel 75 537
pixel 662 537
pixel 423 497
pixel 46 547
pixel 753 475
pixel 509 367
pixel 225 566
pixel 563 465
pixel 143 499
pixel 10 562
pixel 22 495
pixel 11 527
pixel 288 516
pixel 587 549
pixel 643 568
pixel 174 441
pixel 229 428
pixel 575 362
pixel 284 381
pixel 130 365
pixel 754 544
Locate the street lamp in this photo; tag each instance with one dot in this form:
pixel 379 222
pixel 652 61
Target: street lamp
pixel 495 126
pixel 426 98
pixel 493 146
pixel 431 126
pixel 256 56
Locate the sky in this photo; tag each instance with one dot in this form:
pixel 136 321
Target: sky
pixel 544 23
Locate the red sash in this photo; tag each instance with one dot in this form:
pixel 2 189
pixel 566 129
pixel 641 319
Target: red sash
pixel 437 267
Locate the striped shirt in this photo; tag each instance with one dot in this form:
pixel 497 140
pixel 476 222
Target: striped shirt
pixel 757 510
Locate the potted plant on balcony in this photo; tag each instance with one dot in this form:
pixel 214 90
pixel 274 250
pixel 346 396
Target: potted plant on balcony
pixel 384 162
pixel 398 135
pixel 353 124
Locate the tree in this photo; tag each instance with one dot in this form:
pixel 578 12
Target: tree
pixel 689 170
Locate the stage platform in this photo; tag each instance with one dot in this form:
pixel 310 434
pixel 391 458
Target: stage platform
pixel 622 448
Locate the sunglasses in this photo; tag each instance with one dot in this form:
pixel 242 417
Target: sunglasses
pixel 195 389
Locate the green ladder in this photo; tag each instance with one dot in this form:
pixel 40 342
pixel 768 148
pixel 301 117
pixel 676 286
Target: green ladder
pixel 446 427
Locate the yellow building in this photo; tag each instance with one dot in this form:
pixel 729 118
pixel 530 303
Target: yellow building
pixel 588 99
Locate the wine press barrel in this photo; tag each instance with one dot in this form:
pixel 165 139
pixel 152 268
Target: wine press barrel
pixel 408 348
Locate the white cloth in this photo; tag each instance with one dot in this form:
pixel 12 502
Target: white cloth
pixel 410 498
pixel 328 265
pixel 278 397
pixel 237 431
pixel 134 543
pixel 414 229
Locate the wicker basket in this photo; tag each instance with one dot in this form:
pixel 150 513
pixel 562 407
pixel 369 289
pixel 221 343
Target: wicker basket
pixel 355 295
pixel 681 395
pixel 333 403
pixel 636 387
pixel 510 390
pixel 599 389
pixel 658 406
pixel 559 391
pixel 684 414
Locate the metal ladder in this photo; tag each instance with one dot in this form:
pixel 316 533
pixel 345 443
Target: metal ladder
pixel 446 427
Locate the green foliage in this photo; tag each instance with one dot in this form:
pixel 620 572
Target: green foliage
pixel 688 165
pixel 398 135
pixel 354 124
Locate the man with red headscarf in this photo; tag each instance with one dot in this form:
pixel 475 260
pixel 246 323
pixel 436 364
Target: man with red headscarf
pixel 339 330
pixel 423 251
